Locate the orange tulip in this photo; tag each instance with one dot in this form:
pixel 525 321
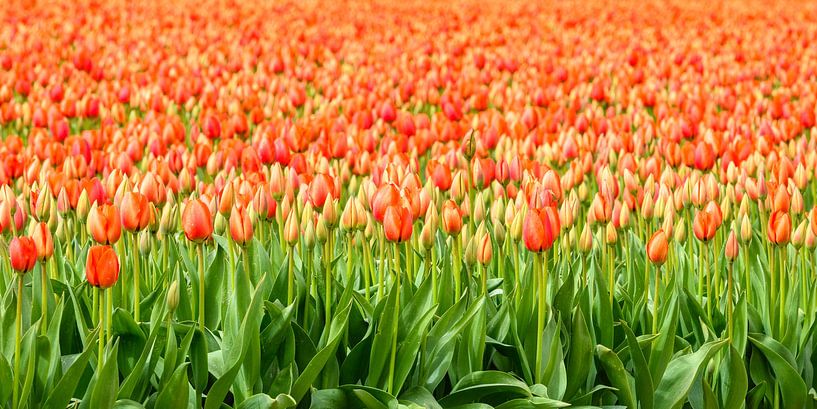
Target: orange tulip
pixel 196 221
pixel 240 225
pixel 23 254
pixel 135 212
pixel 779 227
pixel 397 224
pixel 322 186
pixel 484 249
pixel 451 218
pixel 43 241
pixel 540 229
pixel 104 224
pixel 386 196
pixel 657 247
pixel 705 225
pixel 102 267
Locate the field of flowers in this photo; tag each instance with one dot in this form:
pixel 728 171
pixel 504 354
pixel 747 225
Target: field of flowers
pixel 408 204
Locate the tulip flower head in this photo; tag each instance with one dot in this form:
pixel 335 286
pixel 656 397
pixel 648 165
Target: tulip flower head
pixel 102 266
pixel 23 254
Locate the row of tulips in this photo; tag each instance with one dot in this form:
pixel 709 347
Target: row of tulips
pixel 413 205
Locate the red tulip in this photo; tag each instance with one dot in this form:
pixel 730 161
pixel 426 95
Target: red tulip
pixel 23 254
pixel 451 218
pixel 657 247
pixel 196 221
pixel 102 267
pixel 386 196
pixel 104 224
pixel 321 187
pixel 43 241
pixel 240 225
pixel 135 212
pixel 397 224
pixel 705 225
pixel 779 227
pixel 540 229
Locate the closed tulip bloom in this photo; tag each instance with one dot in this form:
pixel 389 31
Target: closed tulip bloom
pixel 240 225
pixel 451 218
pixel 703 226
pixel 586 239
pixel 196 221
pixel 813 217
pixel 321 187
pixel 484 249
pixel 600 209
pixel 798 237
pixel 104 224
pixel 540 229
pixel 23 254
pixel 657 247
pixel 291 229
pixel 732 247
pixel 779 227
pixel 384 197
pixel 42 241
pixel 134 211
pixel 397 224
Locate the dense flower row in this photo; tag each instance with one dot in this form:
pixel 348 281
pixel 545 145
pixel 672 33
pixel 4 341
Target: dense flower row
pixel 339 204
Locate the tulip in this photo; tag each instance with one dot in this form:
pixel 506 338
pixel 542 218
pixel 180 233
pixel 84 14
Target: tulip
pixel 43 241
pixel 321 187
pixel 135 212
pixel 779 227
pixel 397 224
pixel 540 229
pixel 657 247
pixel 196 221
pixel 102 267
pixel 705 225
pixel 23 254
pixel 104 224
pixel 386 196
pixel 451 218
pixel 241 229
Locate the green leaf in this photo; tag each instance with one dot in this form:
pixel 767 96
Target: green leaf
pixel 175 392
pixel 619 378
pixel 264 401
pixel 580 357
pixel 476 386
pixel 107 382
pixel 643 381
pixel 793 390
pixel 64 389
pixel 734 379
pixel 310 373
pixel 681 373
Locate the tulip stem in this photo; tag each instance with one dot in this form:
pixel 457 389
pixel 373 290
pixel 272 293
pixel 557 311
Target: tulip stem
pixel 395 319
pixel 349 256
pixel 308 278
pixel 102 327
pixel 200 253
pixel 782 270
pixel 367 278
pixel 290 276
pixel 457 266
pixel 18 328
pixel 729 300
pixel 328 284
pixel 108 307
pixel 656 300
pixel 44 305
pixel 540 263
pixel 748 275
pixel 136 274
pixel 430 270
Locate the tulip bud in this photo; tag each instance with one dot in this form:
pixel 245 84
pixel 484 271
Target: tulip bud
pixel 471 252
pixel 811 239
pixel 144 242
pixel 516 226
pixel 745 229
pixel 427 237
pixel 321 231
pixel 586 239
pixel 484 249
pixel 499 233
pixel 309 234
pixel 173 296
pixel 611 235
pixel 731 250
pixel 680 231
pixel 798 237
pixel 220 224
pixel 348 219
pixel 330 213
pixel 291 230
pixel 658 247
pixel 83 205
pixel 469 146
pixel 43 241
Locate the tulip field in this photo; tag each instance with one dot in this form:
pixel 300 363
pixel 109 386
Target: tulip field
pixel 408 204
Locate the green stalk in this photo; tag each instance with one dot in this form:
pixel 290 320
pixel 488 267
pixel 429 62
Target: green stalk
pixel 610 276
pixel 102 327
pixel 308 278
pixel 430 267
pixel 540 278
pixel 108 302
pixel 783 285
pixel 200 251
pixel 349 259
pixel 457 260
pixel 382 257
pixel 393 353
pixel 290 276
pixel 18 330
pixel 483 276
pixel 708 274
pixel 44 305
pixel 233 262
pixel 656 300
pixel 729 300
pixel 328 282
pixel 747 273
pixel 136 273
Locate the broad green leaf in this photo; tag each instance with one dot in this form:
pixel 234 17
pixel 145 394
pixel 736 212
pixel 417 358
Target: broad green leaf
pixel 619 378
pixel 174 393
pixel 681 373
